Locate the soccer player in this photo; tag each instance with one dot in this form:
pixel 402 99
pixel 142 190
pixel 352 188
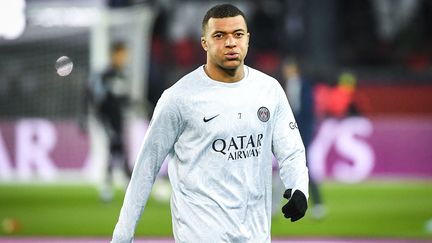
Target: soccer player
pixel 220 125
pixel 109 96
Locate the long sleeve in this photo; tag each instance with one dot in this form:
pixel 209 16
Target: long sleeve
pixel 288 147
pixel 157 144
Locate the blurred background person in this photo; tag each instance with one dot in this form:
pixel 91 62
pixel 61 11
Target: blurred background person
pixel 341 99
pixel 343 102
pixel 300 95
pixel 108 93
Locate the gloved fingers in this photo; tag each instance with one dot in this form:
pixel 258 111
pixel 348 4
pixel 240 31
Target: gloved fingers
pixel 296 207
pixel 290 212
pixel 296 217
pixel 300 201
pixel 288 209
pixel 287 194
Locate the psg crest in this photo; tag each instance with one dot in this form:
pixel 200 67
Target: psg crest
pixel 263 114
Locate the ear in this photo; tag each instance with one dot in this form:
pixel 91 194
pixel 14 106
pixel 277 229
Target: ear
pixel 248 35
pixel 204 43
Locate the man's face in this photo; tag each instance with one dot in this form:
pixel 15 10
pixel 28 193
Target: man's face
pixel 226 41
pixel 120 58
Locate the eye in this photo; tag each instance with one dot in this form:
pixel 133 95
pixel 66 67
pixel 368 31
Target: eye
pixel 239 34
pixel 218 35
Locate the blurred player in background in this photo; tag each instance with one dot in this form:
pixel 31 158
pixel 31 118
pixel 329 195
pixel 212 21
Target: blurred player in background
pixel 301 98
pixel 341 100
pixel 109 94
pixel 220 124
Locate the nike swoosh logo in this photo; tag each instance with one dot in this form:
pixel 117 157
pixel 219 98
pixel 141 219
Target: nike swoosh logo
pixel 209 119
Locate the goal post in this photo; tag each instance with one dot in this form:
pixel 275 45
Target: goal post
pixel 43 106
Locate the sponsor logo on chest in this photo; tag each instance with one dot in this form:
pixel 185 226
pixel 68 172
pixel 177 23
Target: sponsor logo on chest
pixel 239 147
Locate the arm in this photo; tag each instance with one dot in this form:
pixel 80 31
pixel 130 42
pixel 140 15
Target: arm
pixel 158 142
pixel 288 147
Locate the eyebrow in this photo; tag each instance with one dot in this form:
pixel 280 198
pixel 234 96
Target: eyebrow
pixel 224 32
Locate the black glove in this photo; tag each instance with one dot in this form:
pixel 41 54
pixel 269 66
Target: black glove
pixel 296 206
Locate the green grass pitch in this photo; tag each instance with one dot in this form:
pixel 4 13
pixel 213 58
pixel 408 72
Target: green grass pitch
pixel 377 209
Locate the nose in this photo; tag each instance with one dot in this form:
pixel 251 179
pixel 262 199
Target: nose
pixel 230 41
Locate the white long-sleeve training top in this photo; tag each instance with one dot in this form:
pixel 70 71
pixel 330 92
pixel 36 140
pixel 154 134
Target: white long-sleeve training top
pixel 220 138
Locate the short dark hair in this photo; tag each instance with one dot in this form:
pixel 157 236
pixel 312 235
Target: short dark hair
pixel 221 11
pixel 118 46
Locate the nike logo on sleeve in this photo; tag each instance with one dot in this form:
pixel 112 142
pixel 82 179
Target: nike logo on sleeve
pixel 209 119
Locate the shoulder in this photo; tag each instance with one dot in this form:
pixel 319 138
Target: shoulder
pixel 108 72
pixel 184 87
pixel 190 80
pixel 263 78
pixel 266 83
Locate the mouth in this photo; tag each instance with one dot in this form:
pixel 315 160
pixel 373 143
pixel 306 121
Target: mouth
pixel 232 55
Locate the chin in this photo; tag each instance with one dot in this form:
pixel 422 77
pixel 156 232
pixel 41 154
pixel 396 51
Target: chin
pixel 234 64
pixel 229 67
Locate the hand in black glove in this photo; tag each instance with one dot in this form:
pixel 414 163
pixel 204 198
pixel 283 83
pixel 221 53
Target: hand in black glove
pixel 296 206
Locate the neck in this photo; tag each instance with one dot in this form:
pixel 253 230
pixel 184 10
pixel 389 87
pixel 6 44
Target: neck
pixel 117 66
pixel 224 75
